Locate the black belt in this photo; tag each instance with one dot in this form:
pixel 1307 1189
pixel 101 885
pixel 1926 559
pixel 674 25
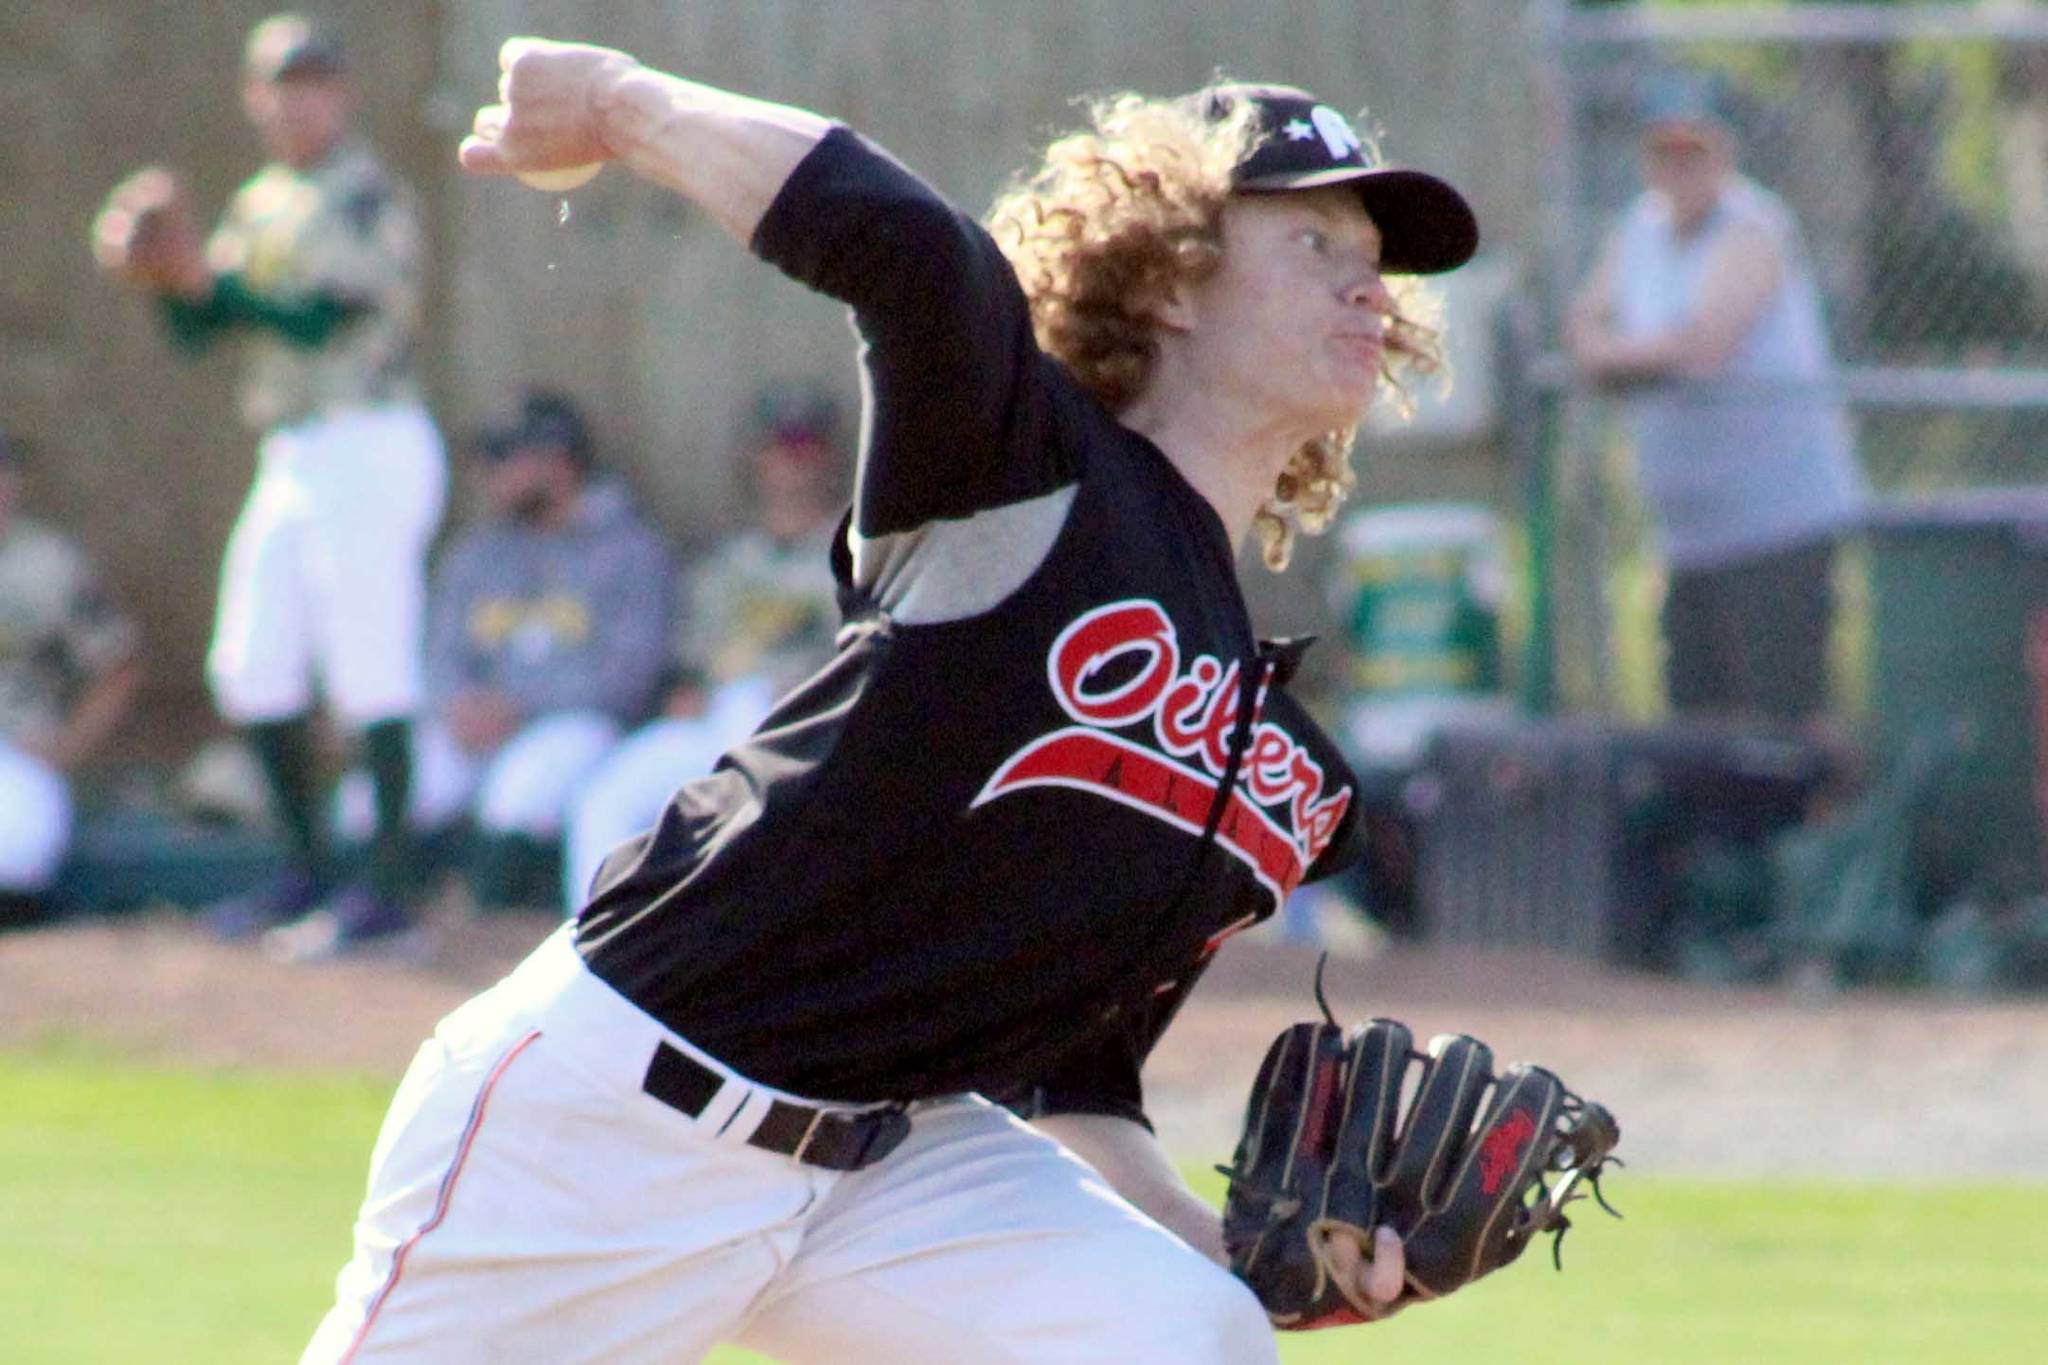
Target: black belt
pixel 836 1139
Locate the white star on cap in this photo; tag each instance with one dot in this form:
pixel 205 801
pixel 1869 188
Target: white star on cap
pixel 1299 131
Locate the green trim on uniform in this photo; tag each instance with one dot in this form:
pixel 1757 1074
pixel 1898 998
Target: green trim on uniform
pixel 306 322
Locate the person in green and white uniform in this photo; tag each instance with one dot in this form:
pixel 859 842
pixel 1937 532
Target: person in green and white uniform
pixel 314 274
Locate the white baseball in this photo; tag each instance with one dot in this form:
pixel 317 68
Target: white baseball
pixel 563 180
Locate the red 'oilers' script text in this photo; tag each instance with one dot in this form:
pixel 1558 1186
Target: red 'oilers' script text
pixel 1501 1150
pixel 1173 725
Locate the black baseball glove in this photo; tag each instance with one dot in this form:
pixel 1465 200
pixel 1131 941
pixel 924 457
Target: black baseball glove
pixel 1467 1171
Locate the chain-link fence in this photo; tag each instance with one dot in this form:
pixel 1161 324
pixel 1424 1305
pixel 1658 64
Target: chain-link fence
pixel 1910 142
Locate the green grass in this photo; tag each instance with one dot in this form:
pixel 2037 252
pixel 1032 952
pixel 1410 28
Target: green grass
pixel 171 1215
pixel 188 1216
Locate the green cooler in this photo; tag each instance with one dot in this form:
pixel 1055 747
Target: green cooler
pixel 1418 588
pixel 1960 589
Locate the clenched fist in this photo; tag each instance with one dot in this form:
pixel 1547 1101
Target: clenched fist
pixel 545 119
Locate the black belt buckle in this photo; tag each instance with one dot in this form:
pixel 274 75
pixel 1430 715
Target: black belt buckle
pixel 886 1130
pixel 839 1140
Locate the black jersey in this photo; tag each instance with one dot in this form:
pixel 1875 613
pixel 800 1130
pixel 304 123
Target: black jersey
pixel 992 842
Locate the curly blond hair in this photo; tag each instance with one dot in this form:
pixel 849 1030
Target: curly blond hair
pixel 1122 212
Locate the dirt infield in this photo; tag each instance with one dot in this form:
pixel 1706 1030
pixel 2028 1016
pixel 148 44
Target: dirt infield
pixel 1703 1079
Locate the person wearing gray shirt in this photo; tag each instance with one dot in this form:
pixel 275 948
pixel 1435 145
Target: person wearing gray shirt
pixel 1704 313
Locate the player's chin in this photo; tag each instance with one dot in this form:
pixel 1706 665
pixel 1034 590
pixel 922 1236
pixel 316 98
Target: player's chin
pixel 1353 381
pixel 1348 403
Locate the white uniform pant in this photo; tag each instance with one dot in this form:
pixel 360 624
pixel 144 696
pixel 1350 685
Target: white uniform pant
pixel 529 1203
pixel 523 787
pixel 624 795
pixel 325 572
pixel 35 820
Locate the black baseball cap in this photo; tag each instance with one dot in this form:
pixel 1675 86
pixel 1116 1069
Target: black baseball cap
pixel 545 418
pixel 290 45
pixel 1426 227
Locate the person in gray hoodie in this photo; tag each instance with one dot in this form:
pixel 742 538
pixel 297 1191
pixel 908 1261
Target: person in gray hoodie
pixel 547 638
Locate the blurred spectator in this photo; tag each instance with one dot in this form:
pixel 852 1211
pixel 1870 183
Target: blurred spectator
pixel 1703 311
pixel 313 274
pixel 762 610
pixel 68 675
pixel 545 640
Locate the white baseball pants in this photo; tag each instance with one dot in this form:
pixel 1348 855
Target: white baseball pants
pixel 528 1202
pixel 325 570
pixel 35 820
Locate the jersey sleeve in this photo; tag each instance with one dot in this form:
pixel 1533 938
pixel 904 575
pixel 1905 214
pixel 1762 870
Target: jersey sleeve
pixel 959 416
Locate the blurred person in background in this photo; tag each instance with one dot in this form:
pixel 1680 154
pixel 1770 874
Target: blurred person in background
pixel 314 272
pixel 760 611
pixel 1702 313
pixel 546 639
pixel 68 677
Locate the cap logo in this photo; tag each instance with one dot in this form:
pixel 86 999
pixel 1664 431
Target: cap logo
pixel 1332 127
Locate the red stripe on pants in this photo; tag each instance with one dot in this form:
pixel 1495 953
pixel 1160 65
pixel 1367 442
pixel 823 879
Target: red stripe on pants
pixel 444 1197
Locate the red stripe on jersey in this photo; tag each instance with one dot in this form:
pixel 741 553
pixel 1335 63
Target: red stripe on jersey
pixel 1132 775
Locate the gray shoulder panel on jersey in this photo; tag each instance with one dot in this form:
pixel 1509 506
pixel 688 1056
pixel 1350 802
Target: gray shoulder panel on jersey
pixel 951 570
